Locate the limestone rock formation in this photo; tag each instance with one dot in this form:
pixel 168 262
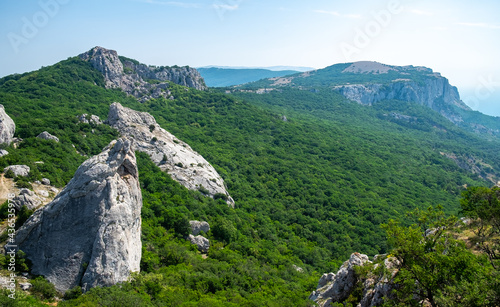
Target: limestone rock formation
pixel 90 235
pixel 92 119
pixel 200 241
pixel 26 198
pixel 3 152
pixel 135 78
pixel 7 127
pixel 341 284
pixel 19 170
pixel 168 152
pixel 197 227
pixel 47 136
pixel 336 288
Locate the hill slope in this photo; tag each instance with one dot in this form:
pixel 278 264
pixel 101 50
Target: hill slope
pixel 309 189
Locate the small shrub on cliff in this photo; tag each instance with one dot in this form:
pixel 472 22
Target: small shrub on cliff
pixel 43 289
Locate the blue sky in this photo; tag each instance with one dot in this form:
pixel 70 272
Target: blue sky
pixel 460 39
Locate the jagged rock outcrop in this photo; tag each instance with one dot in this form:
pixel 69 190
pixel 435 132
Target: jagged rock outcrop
pixel 168 152
pixel 7 127
pixel 47 136
pixel 26 198
pixel 200 241
pixel 90 234
pixel 376 286
pixel 135 78
pixel 19 170
pixel 197 227
pixel 92 119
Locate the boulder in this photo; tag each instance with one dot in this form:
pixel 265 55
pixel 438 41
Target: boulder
pixel 172 155
pixel 200 241
pixel 197 227
pixel 94 119
pixel 45 181
pixel 3 152
pixel 7 127
pixel 19 170
pixel 26 198
pixel 90 235
pixel 47 136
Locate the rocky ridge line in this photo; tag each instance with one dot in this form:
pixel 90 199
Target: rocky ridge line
pixel 139 80
pixel 168 152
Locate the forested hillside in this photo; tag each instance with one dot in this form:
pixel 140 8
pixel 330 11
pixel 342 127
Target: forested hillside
pixel 313 176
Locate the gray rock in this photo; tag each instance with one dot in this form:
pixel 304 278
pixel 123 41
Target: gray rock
pixel 90 235
pixel 434 92
pixel 94 119
pixel 200 241
pixel 47 136
pixel 26 198
pixel 7 127
pixel 341 284
pixel 19 170
pixel 45 181
pixel 168 152
pixel 43 193
pixel 25 286
pixel 131 76
pixel 3 152
pixel 197 226
pixel 336 288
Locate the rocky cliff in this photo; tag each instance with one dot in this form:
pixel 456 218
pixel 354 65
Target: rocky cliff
pixel 408 83
pixel 168 152
pixel 376 284
pixel 7 127
pixel 90 235
pixel 142 81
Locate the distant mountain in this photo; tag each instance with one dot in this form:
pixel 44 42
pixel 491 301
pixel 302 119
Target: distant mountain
pixel 369 83
pixel 219 77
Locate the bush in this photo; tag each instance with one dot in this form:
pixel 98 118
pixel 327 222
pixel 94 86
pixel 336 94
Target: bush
pixel 43 289
pixel 10 174
pixel 73 293
pixel 22 216
pixel 4 210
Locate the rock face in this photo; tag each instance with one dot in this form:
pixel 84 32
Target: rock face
pixel 90 234
pixel 47 136
pixel 136 79
pixel 171 154
pixel 338 287
pixel 7 127
pixel 405 83
pixel 197 227
pixel 19 170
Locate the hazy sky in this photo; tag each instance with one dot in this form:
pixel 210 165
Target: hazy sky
pixel 458 38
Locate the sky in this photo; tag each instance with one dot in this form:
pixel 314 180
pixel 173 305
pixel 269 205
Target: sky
pixel 458 38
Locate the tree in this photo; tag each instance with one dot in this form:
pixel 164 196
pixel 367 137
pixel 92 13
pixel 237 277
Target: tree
pixel 483 206
pixel 434 265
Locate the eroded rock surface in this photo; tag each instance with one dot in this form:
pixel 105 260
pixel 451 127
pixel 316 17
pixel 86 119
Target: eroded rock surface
pixel 47 136
pixel 168 152
pixel 90 234
pixel 142 81
pixel 7 127
pixel 19 170
pixel 197 227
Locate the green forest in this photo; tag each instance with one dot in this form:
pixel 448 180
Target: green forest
pixel 309 190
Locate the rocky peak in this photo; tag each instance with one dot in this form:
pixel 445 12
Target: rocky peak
pixel 90 235
pixel 141 81
pixel 168 152
pixel 7 127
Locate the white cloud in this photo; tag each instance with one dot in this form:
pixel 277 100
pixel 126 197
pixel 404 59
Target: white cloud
pixel 225 7
pixel 337 14
pixel 479 25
